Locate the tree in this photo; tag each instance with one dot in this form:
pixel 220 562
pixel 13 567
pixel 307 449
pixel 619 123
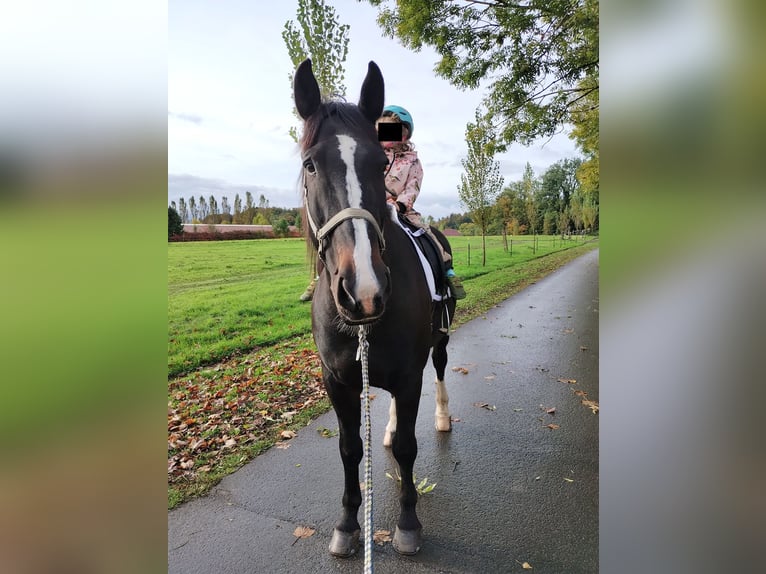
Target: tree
pixel 213 205
pixel 586 134
pixel 203 208
pixel 559 183
pixel 248 200
pixel 237 205
pixel 225 207
pixel 182 210
pixel 540 55
pixel 193 209
pixel 321 38
pixel 529 188
pixel 563 222
pixel 504 211
pixel 481 182
pixel 175 225
pixel 280 227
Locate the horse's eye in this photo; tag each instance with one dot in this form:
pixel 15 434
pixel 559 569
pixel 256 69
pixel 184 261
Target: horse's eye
pixel 309 165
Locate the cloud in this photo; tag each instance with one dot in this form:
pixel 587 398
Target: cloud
pixel 185 117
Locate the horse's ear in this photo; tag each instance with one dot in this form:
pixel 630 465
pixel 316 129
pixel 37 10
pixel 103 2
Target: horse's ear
pixel 306 90
pixel 372 97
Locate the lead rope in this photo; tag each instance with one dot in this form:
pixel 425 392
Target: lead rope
pixel 361 355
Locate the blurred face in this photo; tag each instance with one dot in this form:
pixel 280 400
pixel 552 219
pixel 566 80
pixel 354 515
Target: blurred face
pixel 384 133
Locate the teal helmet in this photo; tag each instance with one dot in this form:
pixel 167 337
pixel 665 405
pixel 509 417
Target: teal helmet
pixel 403 114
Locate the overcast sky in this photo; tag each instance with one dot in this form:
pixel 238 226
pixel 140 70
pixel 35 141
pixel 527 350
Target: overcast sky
pixel 230 104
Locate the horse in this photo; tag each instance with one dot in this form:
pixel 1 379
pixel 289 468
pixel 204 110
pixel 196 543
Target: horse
pixel 370 277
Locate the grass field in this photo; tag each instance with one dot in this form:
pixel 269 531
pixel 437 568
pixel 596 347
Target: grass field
pixel 226 297
pixel 243 369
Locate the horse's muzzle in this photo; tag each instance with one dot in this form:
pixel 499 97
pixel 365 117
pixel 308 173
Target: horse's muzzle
pixel 359 303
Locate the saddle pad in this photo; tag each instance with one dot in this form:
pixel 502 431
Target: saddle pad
pixel 415 236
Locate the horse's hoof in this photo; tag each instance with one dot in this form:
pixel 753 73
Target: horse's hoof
pixel 344 544
pixel 443 424
pixel 407 542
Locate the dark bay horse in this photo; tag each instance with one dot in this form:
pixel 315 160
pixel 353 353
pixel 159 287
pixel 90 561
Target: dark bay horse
pixel 371 278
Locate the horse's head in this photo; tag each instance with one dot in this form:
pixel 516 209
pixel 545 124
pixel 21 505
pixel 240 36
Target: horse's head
pixel 344 192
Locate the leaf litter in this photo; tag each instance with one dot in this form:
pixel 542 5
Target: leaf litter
pixel 215 412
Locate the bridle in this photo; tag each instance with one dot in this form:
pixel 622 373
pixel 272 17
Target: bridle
pixel 321 233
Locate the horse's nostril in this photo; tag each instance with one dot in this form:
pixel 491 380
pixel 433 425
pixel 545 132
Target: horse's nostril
pixel 345 298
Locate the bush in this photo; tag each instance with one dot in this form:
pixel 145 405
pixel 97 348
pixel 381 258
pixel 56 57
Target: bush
pixel 281 228
pixel 175 225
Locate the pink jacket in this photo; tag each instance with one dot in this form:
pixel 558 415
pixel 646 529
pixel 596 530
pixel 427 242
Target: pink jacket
pixel 403 179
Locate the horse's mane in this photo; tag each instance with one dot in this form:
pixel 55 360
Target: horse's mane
pixel 348 115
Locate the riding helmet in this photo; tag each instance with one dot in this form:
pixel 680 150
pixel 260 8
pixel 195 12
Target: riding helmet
pixel 403 114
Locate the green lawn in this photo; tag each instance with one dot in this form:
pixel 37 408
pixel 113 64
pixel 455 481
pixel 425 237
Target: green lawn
pixel 227 297
pixel 241 297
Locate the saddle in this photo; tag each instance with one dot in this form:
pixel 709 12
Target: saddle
pixel 432 254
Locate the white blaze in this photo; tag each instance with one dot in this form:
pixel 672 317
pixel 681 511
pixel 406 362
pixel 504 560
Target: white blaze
pixel 366 282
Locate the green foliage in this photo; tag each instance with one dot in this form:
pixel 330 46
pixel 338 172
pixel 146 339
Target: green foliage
pixel 320 36
pixel 280 227
pixel 586 133
pixel 481 181
pixel 536 53
pixel 175 225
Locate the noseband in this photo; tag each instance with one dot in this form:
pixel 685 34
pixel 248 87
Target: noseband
pixel 348 213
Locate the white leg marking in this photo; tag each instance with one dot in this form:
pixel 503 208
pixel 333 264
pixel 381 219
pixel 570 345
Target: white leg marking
pixel 443 421
pixel 391 426
pixel 366 281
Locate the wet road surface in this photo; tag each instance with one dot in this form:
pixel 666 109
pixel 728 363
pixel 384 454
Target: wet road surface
pixel 509 488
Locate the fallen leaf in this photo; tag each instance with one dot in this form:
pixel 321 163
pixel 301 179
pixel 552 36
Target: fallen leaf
pixel 526 566
pixel 456 420
pixel 489 377
pixel 517 410
pixel 580 393
pixel 568 381
pixel 230 442
pixel 327 433
pixel 304 532
pixel 592 405
pixel 568 331
pixel 568 479
pixel 287 434
pixel 485 406
pixel 583 348
pixel 461 370
pixel 551 411
pixel 283 445
pixel 381 537
pixel 553 426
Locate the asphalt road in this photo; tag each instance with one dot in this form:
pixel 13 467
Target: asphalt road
pixel 509 488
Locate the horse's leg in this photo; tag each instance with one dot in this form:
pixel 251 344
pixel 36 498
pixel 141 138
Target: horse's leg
pixel 391 426
pixel 347 404
pixel 407 537
pixel 439 356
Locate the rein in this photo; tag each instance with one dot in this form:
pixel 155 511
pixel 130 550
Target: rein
pixel 348 213
pixel 361 355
